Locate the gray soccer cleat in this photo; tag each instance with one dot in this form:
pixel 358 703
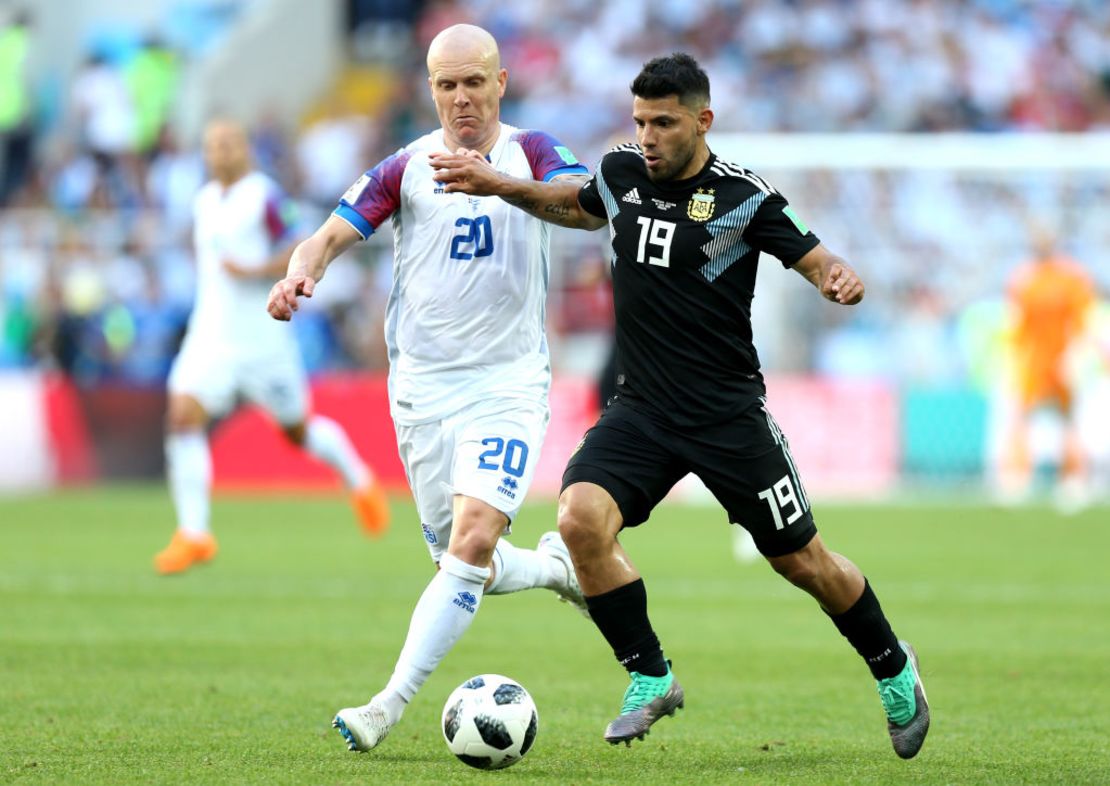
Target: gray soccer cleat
pixel 570 592
pixel 907 709
pixel 362 727
pixel 647 700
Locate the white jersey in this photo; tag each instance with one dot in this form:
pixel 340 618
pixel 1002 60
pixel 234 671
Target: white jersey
pixel 465 317
pixel 244 222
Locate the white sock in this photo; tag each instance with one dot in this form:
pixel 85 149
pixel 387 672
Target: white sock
pixel 441 617
pixel 326 440
pixel 520 569
pixel 189 473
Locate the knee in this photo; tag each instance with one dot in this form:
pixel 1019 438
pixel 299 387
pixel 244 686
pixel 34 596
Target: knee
pixel 296 433
pixel 176 423
pixel 799 568
pixel 582 526
pixel 474 540
pixel 184 414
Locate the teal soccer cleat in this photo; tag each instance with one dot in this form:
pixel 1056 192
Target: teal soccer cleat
pixel 647 700
pixel 907 710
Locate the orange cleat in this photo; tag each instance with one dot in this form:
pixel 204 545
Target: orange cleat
pixel 372 508
pixel 184 551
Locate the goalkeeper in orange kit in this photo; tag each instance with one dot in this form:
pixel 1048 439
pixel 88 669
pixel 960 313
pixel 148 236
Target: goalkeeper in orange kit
pixel 1051 296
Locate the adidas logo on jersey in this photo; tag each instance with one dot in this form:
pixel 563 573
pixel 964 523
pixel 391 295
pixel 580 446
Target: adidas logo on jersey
pixel 632 197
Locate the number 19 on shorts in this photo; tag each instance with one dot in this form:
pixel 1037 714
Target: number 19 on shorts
pixel 782 498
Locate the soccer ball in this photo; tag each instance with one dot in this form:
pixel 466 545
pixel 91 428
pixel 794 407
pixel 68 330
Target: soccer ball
pixel 490 722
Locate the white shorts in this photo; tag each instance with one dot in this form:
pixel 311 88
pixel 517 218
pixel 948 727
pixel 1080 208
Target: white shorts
pixel 488 450
pixel 276 381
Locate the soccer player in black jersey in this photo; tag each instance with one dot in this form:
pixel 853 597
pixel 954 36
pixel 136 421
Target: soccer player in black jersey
pixel 687 230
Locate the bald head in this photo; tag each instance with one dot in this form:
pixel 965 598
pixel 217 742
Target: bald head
pixel 227 151
pixel 467 82
pixel 468 42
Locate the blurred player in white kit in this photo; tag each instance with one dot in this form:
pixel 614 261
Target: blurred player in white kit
pixel 243 238
pixel 469 365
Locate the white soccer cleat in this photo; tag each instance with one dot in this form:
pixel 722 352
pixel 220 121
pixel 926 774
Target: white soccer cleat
pixel 363 727
pixel 570 592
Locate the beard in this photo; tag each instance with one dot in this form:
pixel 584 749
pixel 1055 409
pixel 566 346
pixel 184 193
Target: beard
pixel 673 165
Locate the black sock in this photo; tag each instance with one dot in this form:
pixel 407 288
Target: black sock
pixel 621 616
pixel 866 627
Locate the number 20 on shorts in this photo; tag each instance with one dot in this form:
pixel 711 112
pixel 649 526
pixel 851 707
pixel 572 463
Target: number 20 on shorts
pixel 509 456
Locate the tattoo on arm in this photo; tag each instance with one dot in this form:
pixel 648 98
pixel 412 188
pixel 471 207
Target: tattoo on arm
pixel 555 212
pixel 523 203
pixel 559 207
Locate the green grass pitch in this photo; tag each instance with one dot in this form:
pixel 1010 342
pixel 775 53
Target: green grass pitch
pixel 231 674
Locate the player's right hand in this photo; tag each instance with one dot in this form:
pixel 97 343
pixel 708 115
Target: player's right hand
pixel 465 171
pixel 842 285
pixel 284 294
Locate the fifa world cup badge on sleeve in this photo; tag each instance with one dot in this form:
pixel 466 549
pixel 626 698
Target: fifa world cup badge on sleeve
pixel 566 155
pixel 355 191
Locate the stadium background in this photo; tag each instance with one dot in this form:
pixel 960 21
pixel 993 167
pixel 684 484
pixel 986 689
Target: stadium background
pixel 948 132
pixel 923 139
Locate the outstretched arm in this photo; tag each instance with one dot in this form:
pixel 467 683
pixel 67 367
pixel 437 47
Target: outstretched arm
pixel 307 265
pixel 556 201
pixel 833 277
pixel 274 265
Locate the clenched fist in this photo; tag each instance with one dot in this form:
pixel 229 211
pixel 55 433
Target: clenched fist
pixel 842 285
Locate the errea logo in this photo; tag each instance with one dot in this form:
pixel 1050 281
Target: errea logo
pixel 508 487
pixel 465 601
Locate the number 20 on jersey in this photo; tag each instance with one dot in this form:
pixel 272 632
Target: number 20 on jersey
pixel 475 240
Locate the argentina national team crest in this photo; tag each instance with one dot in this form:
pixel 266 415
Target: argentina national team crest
pixel 700 207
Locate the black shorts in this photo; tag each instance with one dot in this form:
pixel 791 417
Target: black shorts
pixel 745 463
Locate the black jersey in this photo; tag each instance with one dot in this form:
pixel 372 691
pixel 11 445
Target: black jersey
pixel 684 262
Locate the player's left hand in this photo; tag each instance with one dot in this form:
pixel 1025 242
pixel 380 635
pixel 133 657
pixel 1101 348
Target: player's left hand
pixel 235 270
pixel 465 171
pixel 842 285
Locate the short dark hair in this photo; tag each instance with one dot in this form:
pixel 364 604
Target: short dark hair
pixel 676 74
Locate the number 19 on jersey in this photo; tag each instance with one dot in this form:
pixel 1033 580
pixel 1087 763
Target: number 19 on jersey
pixel 655 232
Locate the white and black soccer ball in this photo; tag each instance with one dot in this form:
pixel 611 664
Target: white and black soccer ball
pixel 490 721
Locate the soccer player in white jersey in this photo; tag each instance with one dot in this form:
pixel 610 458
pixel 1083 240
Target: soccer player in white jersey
pixel 243 238
pixel 469 366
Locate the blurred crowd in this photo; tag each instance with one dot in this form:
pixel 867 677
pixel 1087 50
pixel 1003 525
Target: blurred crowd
pixel 809 65
pixel 95 259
